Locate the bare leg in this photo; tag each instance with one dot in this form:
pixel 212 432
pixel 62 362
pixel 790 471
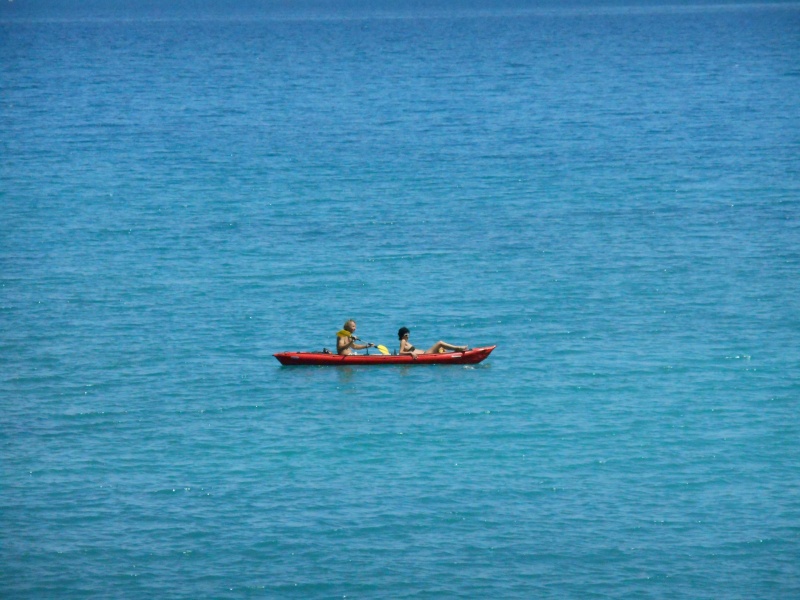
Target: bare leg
pixel 438 346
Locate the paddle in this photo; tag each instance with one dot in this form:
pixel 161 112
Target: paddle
pixel 381 348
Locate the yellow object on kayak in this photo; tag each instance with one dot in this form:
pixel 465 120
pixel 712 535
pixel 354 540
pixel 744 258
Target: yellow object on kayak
pixel 382 349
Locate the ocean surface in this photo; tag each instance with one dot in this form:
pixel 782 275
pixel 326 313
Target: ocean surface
pixel 609 192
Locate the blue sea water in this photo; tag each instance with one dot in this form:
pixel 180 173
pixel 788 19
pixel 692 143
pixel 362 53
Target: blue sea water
pixel 610 193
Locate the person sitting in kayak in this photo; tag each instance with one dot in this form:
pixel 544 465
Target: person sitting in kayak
pixel 346 341
pixel 440 346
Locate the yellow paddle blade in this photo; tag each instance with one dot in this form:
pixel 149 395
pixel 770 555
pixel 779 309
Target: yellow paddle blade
pixel 343 333
pixel 382 349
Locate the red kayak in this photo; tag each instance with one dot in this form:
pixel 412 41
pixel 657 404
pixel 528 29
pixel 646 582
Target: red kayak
pixel 470 357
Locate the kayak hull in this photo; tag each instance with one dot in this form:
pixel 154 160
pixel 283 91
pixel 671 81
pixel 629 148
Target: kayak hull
pixel 470 357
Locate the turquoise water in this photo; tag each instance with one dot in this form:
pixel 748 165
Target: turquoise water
pixel 610 194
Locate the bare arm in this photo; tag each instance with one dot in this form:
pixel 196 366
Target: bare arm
pixel 345 344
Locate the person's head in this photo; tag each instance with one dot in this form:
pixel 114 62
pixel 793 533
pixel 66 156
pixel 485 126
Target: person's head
pixel 402 333
pixel 350 325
